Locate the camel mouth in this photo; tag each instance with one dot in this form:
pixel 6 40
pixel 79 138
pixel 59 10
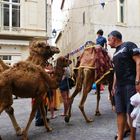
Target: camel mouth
pixel 55 49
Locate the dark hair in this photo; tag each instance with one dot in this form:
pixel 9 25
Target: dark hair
pixel 116 34
pixel 100 32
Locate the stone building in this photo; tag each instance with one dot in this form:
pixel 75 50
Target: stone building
pixel 80 21
pixel 20 21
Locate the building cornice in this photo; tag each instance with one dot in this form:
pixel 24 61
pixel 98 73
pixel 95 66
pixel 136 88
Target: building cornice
pixel 18 37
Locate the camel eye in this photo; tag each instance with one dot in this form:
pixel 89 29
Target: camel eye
pixel 39 45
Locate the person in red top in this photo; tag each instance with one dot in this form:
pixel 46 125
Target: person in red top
pixel 48 101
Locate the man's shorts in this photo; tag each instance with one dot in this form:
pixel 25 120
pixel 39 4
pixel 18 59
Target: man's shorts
pixel 122 98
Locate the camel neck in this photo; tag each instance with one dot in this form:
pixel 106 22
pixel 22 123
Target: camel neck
pixel 37 60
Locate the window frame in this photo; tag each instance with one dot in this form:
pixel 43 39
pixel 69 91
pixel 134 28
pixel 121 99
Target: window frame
pixel 11 11
pixel 121 11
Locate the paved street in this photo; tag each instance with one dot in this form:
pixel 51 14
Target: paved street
pixel 103 127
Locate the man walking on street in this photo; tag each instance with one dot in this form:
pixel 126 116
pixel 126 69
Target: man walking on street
pixel 126 61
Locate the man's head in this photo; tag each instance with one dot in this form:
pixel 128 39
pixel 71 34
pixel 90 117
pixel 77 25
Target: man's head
pixel 100 32
pixel 114 39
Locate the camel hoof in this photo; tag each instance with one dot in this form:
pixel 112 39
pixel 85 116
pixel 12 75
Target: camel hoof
pixel 89 120
pixel 19 132
pixel 25 138
pixel 24 135
pixel 97 113
pixel 49 129
pixel 67 119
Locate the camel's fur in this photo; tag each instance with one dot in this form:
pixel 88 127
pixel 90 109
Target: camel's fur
pixel 86 75
pixel 40 52
pixel 27 80
pixel 3 66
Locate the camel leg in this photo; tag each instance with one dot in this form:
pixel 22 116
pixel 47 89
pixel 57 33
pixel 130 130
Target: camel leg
pixel 1 109
pixel 97 113
pixel 71 99
pixel 43 113
pixel 32 115
pixel 86 90
pixel 111 97
pixel 78 88
pixel 10 112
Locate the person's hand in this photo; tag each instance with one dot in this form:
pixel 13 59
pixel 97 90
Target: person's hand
pixel 138 88
pixel 113 91
pixel 106 49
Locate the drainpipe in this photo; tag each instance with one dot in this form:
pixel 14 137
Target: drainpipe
pixel 46 16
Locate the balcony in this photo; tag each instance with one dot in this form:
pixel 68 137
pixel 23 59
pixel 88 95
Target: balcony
pixel 7 32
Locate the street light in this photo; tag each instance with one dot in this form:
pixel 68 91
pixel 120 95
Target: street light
pixel 54 33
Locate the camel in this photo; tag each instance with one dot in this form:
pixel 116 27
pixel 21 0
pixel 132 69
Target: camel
pixel 40 52
pixel 94 66
pixel 27 80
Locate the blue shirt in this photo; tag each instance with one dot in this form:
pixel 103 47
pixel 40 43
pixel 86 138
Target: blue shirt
pixel 101 41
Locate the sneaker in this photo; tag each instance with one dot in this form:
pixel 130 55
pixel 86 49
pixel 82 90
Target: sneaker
pixel 53 117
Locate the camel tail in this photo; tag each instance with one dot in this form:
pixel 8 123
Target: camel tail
pixel 3 65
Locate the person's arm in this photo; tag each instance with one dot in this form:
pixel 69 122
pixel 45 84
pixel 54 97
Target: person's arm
pixel 114 84
pixel 105 46
pixel 136 58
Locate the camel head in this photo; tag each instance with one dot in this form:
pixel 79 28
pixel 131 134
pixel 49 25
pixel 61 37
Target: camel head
pixel 63 61
pixel 41 48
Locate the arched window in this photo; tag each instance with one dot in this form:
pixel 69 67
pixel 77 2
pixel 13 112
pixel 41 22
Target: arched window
pixel 10 14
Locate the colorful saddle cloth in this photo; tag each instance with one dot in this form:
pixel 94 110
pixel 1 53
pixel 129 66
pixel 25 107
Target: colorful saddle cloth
pixel 97 58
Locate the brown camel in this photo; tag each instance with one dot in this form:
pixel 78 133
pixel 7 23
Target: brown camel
pixel 94 67
pixel 27 80
pixel 40 52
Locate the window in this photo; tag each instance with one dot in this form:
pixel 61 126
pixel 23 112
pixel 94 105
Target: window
pixel 6 57
pixel 10 14
pixel 121 9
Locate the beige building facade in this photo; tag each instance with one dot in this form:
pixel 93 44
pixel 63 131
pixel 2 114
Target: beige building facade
pixel 20 22
pixel 82 19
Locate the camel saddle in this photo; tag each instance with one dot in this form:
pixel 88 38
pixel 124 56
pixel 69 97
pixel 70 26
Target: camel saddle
pixel 95 57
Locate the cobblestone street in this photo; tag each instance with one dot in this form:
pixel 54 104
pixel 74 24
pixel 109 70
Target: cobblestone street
pixel 102 128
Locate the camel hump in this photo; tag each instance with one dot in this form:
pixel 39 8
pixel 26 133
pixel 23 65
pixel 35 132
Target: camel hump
pixel 26 66
pixel 3 66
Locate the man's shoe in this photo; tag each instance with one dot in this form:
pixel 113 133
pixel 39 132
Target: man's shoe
pixel 40 122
